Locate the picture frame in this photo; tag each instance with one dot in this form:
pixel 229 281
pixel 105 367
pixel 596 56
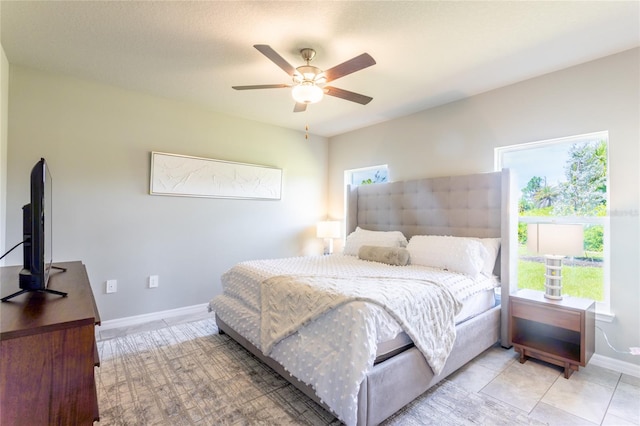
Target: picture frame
pixel 188 176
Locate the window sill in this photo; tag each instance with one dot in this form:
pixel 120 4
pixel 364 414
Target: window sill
pixel 605 316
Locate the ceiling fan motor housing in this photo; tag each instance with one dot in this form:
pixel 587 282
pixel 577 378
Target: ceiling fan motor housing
pixel 309 74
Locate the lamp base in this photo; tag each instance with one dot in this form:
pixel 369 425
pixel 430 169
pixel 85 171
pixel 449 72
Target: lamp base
pixel 553 277
pixel 551 296
pixel 328 246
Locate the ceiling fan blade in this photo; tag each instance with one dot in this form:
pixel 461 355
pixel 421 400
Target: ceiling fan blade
pixel 352 65
pixel 349 96
pixel 274 57
pixel 300 107
pixel 261 86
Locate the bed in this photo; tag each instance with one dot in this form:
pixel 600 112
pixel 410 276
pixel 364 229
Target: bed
pixel 358 357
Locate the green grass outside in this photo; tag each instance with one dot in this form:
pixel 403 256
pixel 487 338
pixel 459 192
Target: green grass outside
pixel 578 281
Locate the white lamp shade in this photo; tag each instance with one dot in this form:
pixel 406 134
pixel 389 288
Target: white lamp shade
pixel 555 239
pixel 328 229
pixel 307 93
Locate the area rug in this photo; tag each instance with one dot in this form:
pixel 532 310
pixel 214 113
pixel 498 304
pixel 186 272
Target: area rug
pixel 188 374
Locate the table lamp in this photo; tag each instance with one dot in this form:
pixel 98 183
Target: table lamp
pixel 555 241
pixel 328 229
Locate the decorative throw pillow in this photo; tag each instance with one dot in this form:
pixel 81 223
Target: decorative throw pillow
pixel 362 237
pixel 397 256
pixel 455 254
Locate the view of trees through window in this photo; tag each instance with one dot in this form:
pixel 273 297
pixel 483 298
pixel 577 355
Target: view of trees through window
pixel 367 175
pixel 563 181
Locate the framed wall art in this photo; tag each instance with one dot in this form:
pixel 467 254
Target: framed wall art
pixel 182 175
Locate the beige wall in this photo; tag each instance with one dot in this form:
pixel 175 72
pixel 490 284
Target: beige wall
pixel 460 138
pixel 97 140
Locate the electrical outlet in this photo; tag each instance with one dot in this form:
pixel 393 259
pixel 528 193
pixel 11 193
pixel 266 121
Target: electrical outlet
pixel 153 281
pixel 112 286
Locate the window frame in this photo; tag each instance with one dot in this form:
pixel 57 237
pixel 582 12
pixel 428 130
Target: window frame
pixel 602 307
pixel 348 174
pixel 348 178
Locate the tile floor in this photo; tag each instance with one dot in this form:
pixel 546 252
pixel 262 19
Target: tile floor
pixel 592 396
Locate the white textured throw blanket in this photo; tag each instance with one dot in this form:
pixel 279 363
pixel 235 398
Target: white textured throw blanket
pixel 425 310
pixel 334 352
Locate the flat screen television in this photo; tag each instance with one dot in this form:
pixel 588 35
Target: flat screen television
pixel 37 234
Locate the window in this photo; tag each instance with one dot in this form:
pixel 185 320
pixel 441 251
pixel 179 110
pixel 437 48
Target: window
pixel 564 181
pixel 366 175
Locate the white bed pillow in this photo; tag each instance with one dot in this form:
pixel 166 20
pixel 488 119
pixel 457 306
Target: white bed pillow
pixel 492 245
pixel 455 254
pixel 362 237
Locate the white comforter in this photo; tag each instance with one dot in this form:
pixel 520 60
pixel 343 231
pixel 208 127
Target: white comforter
pixel 334 352
pixel 425 310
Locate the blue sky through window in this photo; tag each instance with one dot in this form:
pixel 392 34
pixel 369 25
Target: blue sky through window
pixel 547 160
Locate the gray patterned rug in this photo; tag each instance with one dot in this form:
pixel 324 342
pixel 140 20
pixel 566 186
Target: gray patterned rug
pixel 188 374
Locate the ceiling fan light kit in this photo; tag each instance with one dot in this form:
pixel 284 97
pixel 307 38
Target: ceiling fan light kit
pixel 307 93
pixel 308 81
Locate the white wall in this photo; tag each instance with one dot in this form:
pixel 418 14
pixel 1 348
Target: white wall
pixel 460 138
pixel 97 140
pixel 4 110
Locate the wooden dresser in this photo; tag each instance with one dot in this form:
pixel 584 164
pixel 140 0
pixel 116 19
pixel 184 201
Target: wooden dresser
pixel 48 351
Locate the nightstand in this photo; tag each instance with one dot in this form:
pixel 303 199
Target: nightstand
pixel 561 332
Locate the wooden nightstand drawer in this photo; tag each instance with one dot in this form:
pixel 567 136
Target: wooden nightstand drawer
pixel 569 320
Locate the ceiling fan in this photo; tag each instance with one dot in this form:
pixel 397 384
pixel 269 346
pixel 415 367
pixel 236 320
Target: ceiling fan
pixel 309 82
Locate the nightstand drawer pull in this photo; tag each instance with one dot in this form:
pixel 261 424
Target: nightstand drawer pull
pixel 544 314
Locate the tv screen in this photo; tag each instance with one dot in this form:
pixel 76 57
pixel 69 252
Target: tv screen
pixel 37 230
pixel 37 235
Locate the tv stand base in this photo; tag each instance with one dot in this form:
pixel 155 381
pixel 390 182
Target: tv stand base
pixel 46 290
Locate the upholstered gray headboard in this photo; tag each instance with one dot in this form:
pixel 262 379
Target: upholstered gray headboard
pixel 476 205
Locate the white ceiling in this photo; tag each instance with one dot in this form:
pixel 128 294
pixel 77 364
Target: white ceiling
pixel 428 52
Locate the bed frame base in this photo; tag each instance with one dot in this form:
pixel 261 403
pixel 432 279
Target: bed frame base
pixel 392 384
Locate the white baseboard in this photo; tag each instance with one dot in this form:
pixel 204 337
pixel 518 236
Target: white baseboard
pixel 154 316
pixel 616 365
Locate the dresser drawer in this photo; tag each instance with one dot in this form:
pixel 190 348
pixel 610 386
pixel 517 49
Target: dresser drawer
pixel 563 318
